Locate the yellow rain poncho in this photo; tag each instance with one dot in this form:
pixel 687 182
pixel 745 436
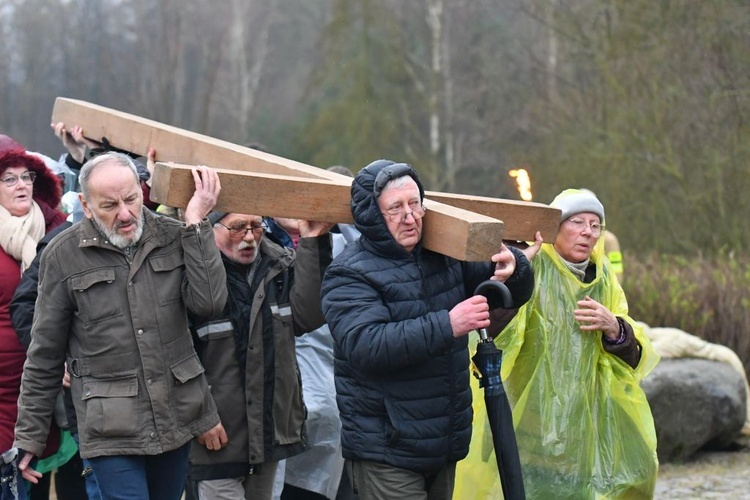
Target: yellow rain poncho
pixel 583 425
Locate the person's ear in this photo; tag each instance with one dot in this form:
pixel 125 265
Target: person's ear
pixel 85 205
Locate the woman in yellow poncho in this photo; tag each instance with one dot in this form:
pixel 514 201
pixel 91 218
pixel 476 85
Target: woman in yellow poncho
pixel 572 363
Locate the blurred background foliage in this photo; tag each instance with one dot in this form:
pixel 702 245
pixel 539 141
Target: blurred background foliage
pixel 707 296
pixel 646 102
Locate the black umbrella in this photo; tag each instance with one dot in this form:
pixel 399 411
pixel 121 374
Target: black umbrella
pixel 488 359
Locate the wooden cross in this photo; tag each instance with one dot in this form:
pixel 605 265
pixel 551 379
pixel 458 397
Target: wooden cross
pixel 254 182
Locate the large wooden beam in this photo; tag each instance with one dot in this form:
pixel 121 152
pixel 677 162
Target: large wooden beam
pixel 135 134
pixel 259 194
pixel 522 218
pixel 449 230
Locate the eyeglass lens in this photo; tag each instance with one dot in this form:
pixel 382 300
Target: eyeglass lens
pixel 12 180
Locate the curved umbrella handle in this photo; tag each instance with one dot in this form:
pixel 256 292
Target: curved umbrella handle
pixel 498 295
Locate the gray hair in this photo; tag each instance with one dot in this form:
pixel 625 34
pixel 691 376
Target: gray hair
pixel 88 168
pixel 398 182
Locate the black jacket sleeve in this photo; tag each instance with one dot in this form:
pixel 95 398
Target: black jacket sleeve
pixel 24 298
pixel 521 283
pixel 521 286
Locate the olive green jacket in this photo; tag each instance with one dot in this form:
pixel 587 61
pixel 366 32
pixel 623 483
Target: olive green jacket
pixel 121 324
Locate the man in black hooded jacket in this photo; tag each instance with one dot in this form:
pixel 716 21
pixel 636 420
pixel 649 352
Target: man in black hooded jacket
pixel 400 314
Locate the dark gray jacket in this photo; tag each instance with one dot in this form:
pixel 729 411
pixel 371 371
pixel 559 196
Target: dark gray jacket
pixel 249 354
pixel 402 379
pixel 137 383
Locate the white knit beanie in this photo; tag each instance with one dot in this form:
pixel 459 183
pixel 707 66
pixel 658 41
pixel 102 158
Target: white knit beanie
pixel 576 201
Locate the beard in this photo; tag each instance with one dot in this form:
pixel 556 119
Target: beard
pixel 115 238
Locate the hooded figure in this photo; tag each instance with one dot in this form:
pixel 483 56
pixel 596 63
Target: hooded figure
pixel 401 366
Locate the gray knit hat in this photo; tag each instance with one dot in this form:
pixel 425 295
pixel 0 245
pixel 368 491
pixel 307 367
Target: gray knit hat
pixel 216 216
pixel 577 201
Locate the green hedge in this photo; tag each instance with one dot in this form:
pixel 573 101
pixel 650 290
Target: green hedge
pixel 706 296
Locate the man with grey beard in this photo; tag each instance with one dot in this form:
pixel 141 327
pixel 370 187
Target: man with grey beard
pixel 114 295
pixel 248 352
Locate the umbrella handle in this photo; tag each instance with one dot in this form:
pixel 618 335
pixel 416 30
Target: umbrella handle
pixel 498 294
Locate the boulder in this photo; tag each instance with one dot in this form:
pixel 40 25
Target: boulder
pixel 696 403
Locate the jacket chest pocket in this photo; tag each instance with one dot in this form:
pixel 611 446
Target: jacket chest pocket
pixel 168 274
pixel 96 294
pixel 111 407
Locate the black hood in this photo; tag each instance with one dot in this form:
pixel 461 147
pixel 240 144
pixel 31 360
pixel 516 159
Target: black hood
pixel 364 204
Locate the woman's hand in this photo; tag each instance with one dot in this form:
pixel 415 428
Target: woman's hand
pixel 594 316
pixel 530 252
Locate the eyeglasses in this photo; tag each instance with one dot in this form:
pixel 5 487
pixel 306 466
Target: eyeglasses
pixel 12 180
pixel 580 225
pixel 400 215
pixel 239 232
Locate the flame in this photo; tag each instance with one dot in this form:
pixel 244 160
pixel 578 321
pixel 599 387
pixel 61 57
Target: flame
pixel 523 183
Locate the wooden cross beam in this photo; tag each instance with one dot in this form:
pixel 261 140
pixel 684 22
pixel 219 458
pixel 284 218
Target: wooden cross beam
pixel 135 134
pixel 449 228
pixel 330 202
pixel 522 218
pixel 452 231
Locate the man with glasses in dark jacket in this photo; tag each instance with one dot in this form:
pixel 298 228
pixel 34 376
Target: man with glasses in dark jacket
pixel 400 315
pixel 248 352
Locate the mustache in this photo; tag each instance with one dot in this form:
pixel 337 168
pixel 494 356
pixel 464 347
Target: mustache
pixel 120 224
pixel 244 244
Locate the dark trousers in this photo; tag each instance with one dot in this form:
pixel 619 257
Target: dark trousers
pixel 376 481
pixel 142 477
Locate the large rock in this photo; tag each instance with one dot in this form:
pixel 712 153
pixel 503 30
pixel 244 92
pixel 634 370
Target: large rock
pixel 696 404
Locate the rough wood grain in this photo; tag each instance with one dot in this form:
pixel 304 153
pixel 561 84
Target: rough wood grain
pixel 448 230
pixel 522 218
pixel 326 199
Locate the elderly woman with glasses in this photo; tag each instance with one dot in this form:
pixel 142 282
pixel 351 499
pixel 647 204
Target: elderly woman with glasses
pixel 572 363
pixel 29 196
